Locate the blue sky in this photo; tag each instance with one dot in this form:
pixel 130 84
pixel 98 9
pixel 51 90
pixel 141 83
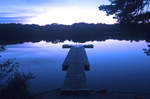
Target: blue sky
pixel 53 11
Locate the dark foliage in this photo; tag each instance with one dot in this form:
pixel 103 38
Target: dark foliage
pixel 7 70
pixel 13 84
pixel 2 48
pixel 128 11
pixel 79 32
pixel 17 87
pixel 147 51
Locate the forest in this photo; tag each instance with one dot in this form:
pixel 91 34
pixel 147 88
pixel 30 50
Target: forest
pixel 78 32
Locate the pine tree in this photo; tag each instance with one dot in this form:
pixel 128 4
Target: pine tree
pixel 128 11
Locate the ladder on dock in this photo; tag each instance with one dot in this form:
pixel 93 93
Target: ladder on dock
pixel 75 64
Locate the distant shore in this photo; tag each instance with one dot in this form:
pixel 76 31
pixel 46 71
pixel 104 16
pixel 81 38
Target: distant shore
pixel 78 32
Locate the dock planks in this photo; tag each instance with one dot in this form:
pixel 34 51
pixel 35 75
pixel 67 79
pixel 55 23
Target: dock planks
pixel 76 63
pixel 76 53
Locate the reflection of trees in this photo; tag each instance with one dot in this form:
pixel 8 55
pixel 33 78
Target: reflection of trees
pixel 147 51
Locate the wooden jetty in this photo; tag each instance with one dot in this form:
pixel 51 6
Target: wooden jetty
pixel 75 64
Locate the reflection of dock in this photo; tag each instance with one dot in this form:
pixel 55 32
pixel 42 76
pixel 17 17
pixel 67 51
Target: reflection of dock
pixel 76 63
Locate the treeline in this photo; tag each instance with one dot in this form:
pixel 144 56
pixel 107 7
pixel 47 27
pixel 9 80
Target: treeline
pixel 78 32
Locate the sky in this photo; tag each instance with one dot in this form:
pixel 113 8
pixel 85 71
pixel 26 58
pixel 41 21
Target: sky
pixel 44 12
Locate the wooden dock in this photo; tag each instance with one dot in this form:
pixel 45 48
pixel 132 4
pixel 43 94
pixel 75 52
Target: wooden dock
pixel 75 64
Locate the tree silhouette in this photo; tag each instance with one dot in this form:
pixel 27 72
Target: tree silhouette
pixel 128 11
pixel 13 83
pixel 2 48
pixel 78 32
pixel 147 51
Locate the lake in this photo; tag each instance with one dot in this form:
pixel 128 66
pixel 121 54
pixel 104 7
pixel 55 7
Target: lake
pixel 114 65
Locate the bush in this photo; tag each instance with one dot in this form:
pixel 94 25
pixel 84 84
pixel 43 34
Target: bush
pixel 13 84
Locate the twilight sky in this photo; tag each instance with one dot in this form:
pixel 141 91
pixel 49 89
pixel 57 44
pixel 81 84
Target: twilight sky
pixel 53 11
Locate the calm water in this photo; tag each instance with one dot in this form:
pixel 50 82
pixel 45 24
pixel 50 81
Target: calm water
pixel 115 65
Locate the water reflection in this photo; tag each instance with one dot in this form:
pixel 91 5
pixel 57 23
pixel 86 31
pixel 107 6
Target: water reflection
pixel 115 65
pixel 119 65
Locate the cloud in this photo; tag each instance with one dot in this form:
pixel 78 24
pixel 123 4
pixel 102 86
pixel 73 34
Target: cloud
pixel 41 1
pixel 51 2
pixel 60 11
pixel 22 19
pixel 12 21
pixel 28 2
pixel 15 18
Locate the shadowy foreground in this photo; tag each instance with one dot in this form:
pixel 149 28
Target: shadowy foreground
pixel 102 94
pixel 13 83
